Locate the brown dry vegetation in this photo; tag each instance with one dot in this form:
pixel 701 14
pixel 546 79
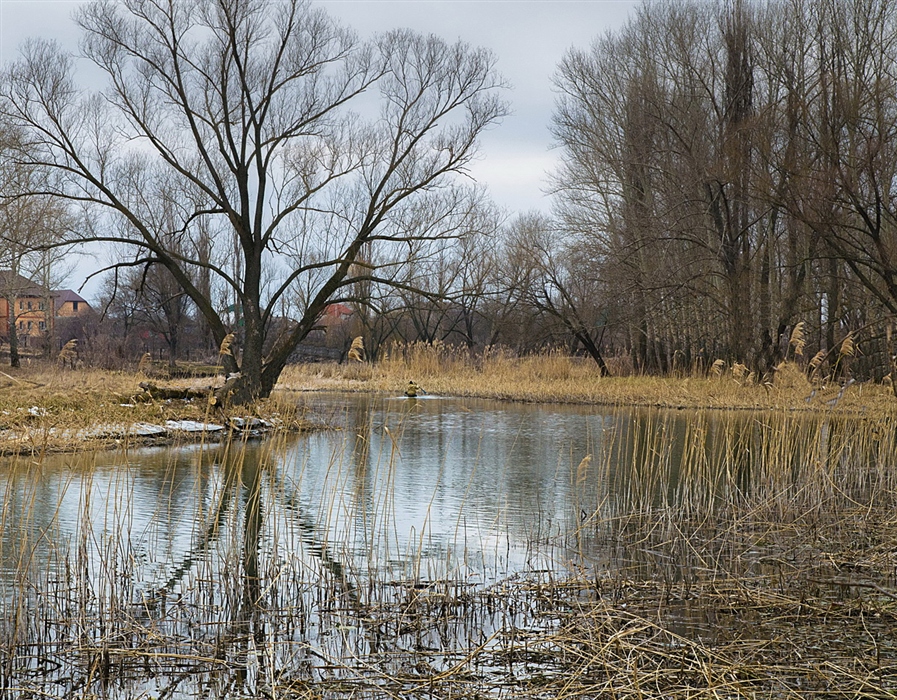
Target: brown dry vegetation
pixel 42 406
pixel 47 408
pixel 560 378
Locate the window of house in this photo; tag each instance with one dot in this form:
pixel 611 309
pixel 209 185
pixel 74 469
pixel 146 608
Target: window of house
pixel 40 305
pixel 29 306
pixel 42 325
pixel 74 306
pixel 29 325
pixel 21 325
pixel 21 305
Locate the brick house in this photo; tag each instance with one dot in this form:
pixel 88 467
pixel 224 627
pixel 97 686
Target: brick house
pixel 69 303
pixel 30 306
pixel 33 308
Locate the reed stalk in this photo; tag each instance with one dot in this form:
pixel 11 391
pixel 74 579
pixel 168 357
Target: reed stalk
pixel 731 554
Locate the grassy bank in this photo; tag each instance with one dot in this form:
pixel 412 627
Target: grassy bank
pixel 44 408
pixel 559 378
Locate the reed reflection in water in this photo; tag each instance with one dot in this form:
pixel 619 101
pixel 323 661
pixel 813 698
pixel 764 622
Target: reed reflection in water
pixel 224 569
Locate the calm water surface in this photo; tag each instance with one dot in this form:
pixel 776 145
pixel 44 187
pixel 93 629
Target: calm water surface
pixel 182 571
pixel 422 488
pixel 400 488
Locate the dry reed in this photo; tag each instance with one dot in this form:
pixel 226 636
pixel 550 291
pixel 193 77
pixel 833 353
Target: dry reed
pixel 553 377
pixel 739 556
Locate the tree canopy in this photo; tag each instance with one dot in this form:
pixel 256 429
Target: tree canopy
pixel 232 146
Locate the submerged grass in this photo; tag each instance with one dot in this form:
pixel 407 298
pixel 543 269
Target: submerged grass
pixel 723 556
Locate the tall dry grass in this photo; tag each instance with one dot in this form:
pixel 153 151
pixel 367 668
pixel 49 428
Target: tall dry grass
pixel 555 377
pixel 723 556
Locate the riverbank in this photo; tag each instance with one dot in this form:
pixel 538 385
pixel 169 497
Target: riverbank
pixel 49 409
pixel 561 379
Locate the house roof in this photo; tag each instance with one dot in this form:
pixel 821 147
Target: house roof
pixel 17 285
pixel 337 309
pixel 12 283
pixel 66 295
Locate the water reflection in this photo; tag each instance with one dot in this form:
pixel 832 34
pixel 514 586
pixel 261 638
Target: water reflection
pixel 403 489
pixel 283 552
pixel 433 488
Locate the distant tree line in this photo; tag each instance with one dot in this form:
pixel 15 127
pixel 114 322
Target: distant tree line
pixel 728 188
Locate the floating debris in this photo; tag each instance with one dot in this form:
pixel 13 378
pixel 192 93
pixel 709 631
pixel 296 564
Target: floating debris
pixel 146 430
pixel 249 424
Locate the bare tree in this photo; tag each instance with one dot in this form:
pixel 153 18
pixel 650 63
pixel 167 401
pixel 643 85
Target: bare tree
pixel 244 110
pixel 440 296
pixel 551 275
pixel 29 226
pixel 852 131
pixel 163 306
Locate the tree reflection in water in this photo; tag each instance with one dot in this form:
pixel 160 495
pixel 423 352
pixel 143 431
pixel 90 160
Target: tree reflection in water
pixel 342 557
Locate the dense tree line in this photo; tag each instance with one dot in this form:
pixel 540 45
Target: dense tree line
pixel 729 171
pixel 728 187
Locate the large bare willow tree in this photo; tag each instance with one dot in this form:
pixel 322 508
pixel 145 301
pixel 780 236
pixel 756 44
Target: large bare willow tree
pixel 231 147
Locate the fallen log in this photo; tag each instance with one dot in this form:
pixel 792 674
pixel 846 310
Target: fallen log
pixel 154 392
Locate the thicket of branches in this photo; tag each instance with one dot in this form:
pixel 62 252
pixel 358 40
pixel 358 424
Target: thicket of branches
pixel 259 152
pixel 729 171
pixel 728 185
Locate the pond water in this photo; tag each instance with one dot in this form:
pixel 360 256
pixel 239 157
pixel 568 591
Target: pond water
pixel 421 488
pixel 207 544
pixel 424 488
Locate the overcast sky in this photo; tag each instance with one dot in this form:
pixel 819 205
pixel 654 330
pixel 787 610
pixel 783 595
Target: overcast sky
pixel 528 38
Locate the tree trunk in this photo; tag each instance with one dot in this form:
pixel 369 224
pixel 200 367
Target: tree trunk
pixel 14 360
pixel 833 304
pixel 246 386
pixel 595 353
